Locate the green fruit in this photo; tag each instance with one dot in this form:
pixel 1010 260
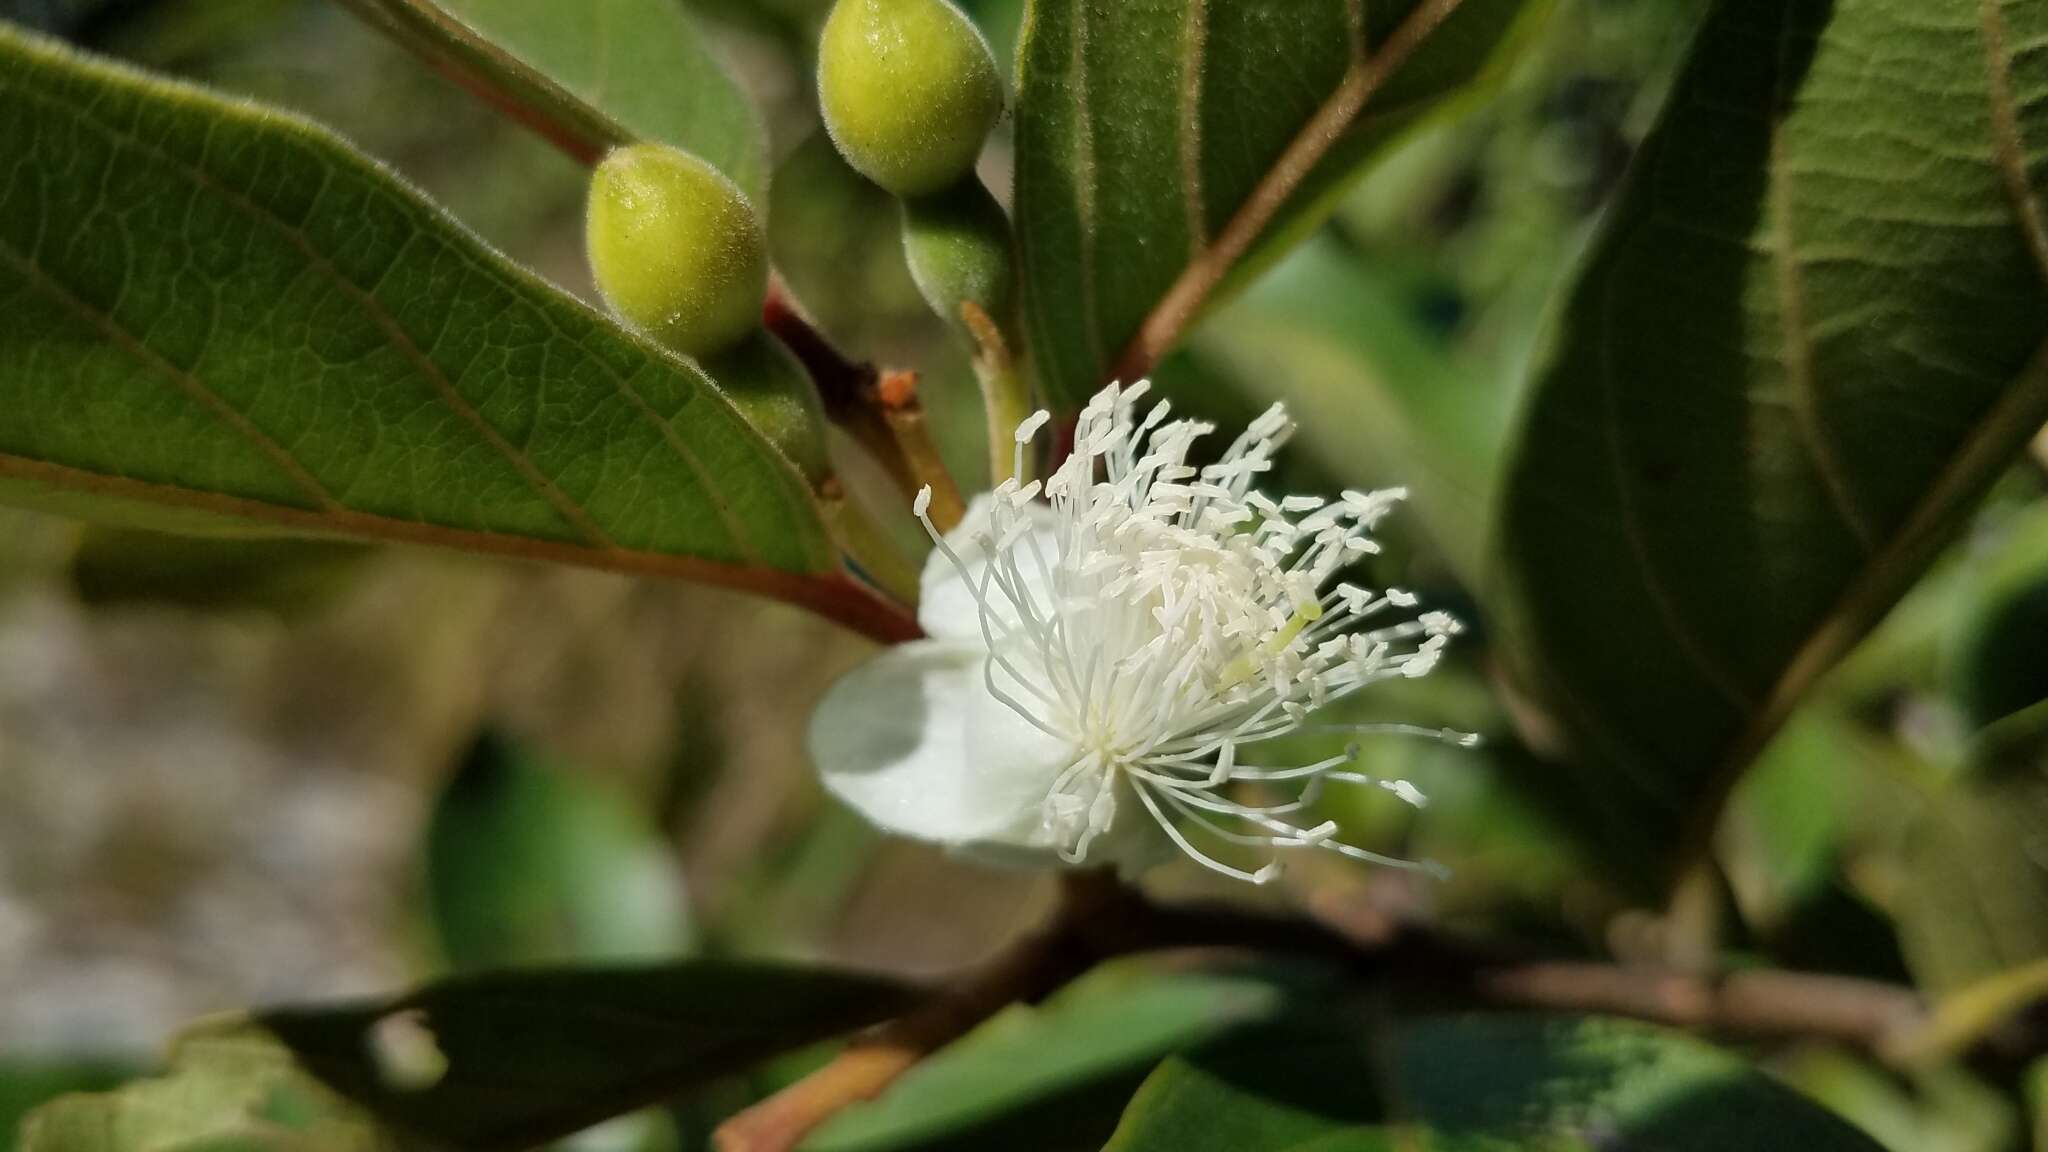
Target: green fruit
pixel 676 248
pixel 957 243
pixel 909 91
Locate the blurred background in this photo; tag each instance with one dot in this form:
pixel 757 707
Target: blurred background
pixel 254 772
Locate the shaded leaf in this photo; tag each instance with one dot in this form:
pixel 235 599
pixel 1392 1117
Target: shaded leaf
pixel 217 313
pixel 1547 1081
pixel 590 75
pixel 1289 1084
pixel 1809 338
pixel 1142 130
pixel 528 1056
pixel 1474 1082
pixel 1054 1076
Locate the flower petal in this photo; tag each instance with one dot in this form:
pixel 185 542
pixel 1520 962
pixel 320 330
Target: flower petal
pixel 946 607
pixel 915 743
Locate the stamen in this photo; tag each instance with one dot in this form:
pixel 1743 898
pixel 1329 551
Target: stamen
pixel 1173 615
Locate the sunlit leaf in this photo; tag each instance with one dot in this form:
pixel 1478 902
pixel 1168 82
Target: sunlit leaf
pixel 215 313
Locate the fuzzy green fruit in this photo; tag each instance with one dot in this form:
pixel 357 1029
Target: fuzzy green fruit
pixel 909 91
pixel 677 249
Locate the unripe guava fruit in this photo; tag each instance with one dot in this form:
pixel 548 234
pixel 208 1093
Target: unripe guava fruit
pixel 908 89
pixel 676 248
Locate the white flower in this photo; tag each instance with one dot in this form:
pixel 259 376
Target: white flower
pixel 1098 662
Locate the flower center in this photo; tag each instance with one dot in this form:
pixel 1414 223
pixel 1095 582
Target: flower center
pixel 1156 617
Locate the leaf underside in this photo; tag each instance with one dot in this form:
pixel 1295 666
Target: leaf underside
pixel 1811 335
pixel 210 312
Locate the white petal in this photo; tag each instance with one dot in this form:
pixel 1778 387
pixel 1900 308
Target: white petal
pixel 915 743
pixel 946 607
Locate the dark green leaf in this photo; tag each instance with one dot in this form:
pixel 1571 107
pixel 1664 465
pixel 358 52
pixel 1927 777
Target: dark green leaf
pixel 1055 1076
pixel 1286 1085
pixel 213 312
pixel 1544 1082
pixel 1144 129
pixel 510 1059
pixel 1810 337
pixel 590 75
pixel 531 863
pixel 1473 1082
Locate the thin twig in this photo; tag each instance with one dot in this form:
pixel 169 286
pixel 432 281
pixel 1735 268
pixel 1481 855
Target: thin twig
pixel 846 387
pixel 1099 920
pixel 1171 316
pixel 903 411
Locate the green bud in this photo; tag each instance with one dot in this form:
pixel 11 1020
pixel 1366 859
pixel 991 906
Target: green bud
pixel 676 248
pixel 909 91
pixel 776 395
pixel 958 245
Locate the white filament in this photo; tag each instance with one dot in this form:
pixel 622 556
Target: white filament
pixel 1180 618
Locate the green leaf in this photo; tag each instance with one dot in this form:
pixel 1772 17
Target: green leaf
pixel 228 1088
pixel 1473 1082
pixel 217 313
pixel 510 1059
pixel 1278 1087
pixel 1809 338
pixel 1555 1081
pixel 531 863
pixel 1144 130
pixel 26 1084
pixel 1054 1076
pixel 590 75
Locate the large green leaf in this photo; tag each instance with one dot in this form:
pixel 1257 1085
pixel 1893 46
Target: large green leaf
pixel 511 1059
pixel 1811 335
pixel 1144 130
pixel 1056 1075
pixel 1471 1082
pixel 208 310
pixel 590 75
